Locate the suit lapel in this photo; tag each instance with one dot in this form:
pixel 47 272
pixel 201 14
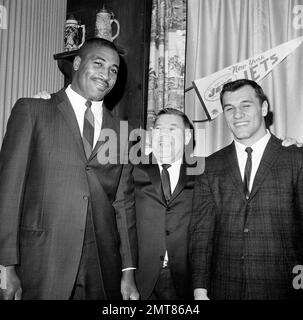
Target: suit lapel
pixel 153 172
pixel 107 123
pixel 68 113
pixel 269 157
pixel 181 182
pixel 232 168
pixel 69 116
pixel 155 177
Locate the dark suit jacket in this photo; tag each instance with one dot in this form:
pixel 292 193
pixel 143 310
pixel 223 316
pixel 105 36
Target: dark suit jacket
pixel 162 226
pixel 246 249
pixel 46 183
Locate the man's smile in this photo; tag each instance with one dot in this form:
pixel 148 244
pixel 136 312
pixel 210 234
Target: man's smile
pixel 100 83
pixel 241 124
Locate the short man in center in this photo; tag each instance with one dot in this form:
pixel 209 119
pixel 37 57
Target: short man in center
pixel 163 192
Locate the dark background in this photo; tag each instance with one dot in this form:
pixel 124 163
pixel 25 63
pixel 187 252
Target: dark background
pixel 129 97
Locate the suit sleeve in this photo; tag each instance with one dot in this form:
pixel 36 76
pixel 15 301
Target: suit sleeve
pixel 202 228
pixel 14 159
pixel 124 205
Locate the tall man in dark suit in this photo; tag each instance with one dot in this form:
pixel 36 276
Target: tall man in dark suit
pixel 164 189
pixel 67 222
pixel 246 230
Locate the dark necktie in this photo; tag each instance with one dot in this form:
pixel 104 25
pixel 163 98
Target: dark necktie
pixel 247 171
pixel 88 129
pixel 166 181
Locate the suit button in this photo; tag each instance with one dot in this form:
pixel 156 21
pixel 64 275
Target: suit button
pixel 246 230
pixel 167 208
pixel 85 198
pixel 242 257
pixel 87 168
pixel 167 232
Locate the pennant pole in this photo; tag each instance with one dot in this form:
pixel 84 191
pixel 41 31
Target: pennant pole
pixel 189 88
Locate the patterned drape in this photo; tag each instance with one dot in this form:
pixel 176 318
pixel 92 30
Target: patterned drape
pixel 167 57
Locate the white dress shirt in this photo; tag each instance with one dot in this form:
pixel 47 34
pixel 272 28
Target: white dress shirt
pixel 78 104
pixel 256 156
pixel 174 173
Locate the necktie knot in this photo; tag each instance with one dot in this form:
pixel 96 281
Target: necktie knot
pixel 166 166
pixel 249 150
pixel 88 104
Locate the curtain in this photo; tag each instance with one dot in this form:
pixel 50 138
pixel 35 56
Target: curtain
pixel 224 32
pixel 33 33
pixel 167 57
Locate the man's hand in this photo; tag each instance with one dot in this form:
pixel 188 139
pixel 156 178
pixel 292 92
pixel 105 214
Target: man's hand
pixel 128 287
pixel 13 289
pixel 42 95
pixel 290 141
pixel 200 294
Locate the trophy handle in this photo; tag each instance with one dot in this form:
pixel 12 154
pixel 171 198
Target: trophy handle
pixel 83 35
pixel 118 29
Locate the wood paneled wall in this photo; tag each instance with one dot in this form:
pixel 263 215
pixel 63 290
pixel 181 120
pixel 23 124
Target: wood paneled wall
pixel 128 98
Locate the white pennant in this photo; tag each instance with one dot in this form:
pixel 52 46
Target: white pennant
pixel 256 68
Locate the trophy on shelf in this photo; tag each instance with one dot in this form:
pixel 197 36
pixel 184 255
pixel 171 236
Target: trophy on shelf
pixel 74 34
pixel 104 21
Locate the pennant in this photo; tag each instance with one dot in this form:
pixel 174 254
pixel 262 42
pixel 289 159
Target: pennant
pixel 256 68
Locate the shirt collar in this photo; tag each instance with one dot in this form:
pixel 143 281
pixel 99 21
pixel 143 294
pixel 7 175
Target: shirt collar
pixel 259 145
pixel 176 163
pixel 76 99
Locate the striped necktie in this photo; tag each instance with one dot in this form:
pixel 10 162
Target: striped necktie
pixel 88 129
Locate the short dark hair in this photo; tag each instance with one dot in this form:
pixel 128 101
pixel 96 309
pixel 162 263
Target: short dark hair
pixel 237 84
pixel 176 112
pixel 95 42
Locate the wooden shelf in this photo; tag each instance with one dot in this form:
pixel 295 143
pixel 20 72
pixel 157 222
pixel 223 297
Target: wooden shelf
pixel 67 55
pixel 65 64
pixel 70 55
